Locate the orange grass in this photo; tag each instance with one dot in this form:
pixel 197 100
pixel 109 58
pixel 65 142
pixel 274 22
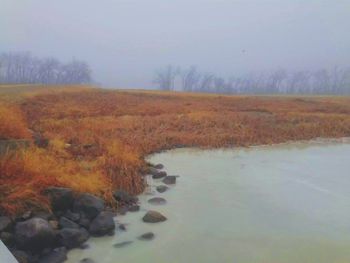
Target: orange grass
pixel 99 138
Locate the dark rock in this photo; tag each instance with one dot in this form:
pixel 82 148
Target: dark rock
pixel 159 174
pixel 8 238
pixel 162 188
pixel 122 227
pixel 102 224
pixel 66 223
pixel 84 246
pixel 89 205
pixel 157 201
pixel 170 179
pixel 123 210
pixel 21 256
pixel 57 255
pixel 146 236
pixel 72 216
pixel 71 237
pixel 87 260
pixel 84 221
pixel 134 208
pixel 27 215
pixel 5 223
pixel 34 234
pixel 124 197
pixel 122 244
pixel 159 166
pixel 61 198
pixel 153 217
pixel 152 171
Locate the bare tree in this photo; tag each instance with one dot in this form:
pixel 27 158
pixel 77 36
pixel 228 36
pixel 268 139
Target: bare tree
pixel 165 77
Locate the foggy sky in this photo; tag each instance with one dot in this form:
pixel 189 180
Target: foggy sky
pixel 126 41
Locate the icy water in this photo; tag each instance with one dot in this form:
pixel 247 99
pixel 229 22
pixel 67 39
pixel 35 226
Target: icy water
pixel 272 204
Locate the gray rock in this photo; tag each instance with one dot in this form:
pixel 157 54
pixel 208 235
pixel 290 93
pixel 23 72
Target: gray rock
pixel 89 205
pixel 66 223
pixel 157 201
pixel 8 238
pixel 72 216
pixel 124 197
pixel 5 223
pixel 153 217
pixel 170 179
pixel 71 237
pixel 57 255
pixel 84 246
pixel 102 225
pixel 159 175
pixel 122 244
pixel 61 198
pixel 122 227
pixel 34 234
pixel 162 188
pixel 159 166
pixel 134 208
pixel 146 236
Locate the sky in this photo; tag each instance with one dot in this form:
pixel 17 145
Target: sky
pixel 125 42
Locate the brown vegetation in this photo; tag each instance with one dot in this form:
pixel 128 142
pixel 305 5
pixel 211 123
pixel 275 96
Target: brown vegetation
pixel 98 138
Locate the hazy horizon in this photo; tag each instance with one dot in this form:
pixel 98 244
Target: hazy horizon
pixel 126 41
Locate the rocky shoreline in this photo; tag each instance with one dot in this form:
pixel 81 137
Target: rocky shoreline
pixel 46 237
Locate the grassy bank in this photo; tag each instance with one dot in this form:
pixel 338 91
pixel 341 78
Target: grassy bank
pixel 98 138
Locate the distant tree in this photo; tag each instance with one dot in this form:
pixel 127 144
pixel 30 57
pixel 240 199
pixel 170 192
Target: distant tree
pixel 165 77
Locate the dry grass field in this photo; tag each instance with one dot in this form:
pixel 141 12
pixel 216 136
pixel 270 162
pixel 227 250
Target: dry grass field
pixel 98 138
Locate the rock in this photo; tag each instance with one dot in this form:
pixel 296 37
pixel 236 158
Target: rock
pixel 157 201
pixel 27 215
pixel 89 205
pixel 102 225
pixel 34 234
pixel 71 237
pixel 122 227
pixel 162 188
pixel 54 224
pixel 8 238
pixel 84 246
pixel 44 215
pixel 159 166
pixel 146 236
pixel 21 256
pixel 66 223
pixel 87 260
pixel 57 255
pixel 153 217
pixel 134 208
pixel 72 216
pixel 124 197
pixel 159 174
pixel 122 244
pixel 5 223
pixel 84 222
pixel 170 179
pixel 61 198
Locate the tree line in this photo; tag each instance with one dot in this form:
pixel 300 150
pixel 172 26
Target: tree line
pixel 323 81
pixel 23 67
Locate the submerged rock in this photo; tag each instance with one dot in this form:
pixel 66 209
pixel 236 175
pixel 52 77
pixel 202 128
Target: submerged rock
pixel 158 166
pixel 159 174
pixel 57 255
pixel 146 236
pixel 71 237
pixel 170 179
pixel 89 205
pixel 122 244
pixel 87 260
pixel 153 217
pixel 102 225
pixel 162 188
pixel 34 234
pixel 157 201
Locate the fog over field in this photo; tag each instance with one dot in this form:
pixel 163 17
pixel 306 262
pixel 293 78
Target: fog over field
pixel 125 42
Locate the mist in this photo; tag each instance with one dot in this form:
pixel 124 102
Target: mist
pixel 125 42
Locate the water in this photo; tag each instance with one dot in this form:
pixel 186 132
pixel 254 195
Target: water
pixel 284 203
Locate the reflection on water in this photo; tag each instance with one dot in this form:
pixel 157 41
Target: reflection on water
pixel 286 203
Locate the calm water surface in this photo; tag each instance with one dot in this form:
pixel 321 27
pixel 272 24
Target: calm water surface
pixel 285 203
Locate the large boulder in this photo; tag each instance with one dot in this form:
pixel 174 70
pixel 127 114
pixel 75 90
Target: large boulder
pixel 170 179
pixel 34 234
pixel 72 237
pixel 157 201
pixel 61 198
pixel 88 205
pixel 5 223
pixel 153 217
pixel 102 225
pixel 57 255
pixel 66 223
pixel 124 197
